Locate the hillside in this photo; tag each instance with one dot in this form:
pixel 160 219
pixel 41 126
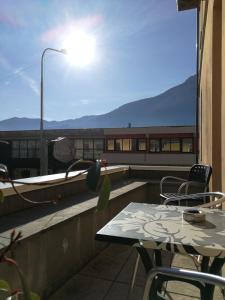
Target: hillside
pixel 176 106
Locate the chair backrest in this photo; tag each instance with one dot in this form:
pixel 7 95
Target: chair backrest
pixel 200 173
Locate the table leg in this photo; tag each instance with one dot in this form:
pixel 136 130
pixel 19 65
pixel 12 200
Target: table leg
pixel 147 262
pixel 205 264
pixel 158 258
pixel 215 268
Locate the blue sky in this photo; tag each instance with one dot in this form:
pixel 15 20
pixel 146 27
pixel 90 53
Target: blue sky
pixel 142 48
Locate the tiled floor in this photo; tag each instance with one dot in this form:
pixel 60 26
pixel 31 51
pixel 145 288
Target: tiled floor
pixel 107 277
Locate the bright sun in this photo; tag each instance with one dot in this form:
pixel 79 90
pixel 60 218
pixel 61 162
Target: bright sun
pixel 80 47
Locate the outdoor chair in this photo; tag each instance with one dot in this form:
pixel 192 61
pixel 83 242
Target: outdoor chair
pixel 210 199
pixel 157 276
pixel 199 177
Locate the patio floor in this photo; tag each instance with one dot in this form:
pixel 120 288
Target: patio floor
pixel 108 275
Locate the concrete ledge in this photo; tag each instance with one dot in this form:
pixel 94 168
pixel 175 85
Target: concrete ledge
pixel 62 190
pixel 55 246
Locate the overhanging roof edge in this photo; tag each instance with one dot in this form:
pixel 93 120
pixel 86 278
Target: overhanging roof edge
pixel 187 4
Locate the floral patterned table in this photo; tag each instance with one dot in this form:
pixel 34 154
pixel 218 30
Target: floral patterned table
pixel 163 227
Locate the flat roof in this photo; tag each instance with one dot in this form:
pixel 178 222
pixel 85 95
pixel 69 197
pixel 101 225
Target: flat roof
pixel 187 4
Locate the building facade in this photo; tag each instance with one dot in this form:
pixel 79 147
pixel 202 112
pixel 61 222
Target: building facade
pixel 20 150
pixel 211 84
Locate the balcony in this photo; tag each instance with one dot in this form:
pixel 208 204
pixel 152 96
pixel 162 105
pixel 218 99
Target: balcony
pixel 58 252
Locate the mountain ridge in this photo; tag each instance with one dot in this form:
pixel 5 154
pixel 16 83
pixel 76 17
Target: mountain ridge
pixel 173 107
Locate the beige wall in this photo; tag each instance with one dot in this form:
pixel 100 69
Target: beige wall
pixel 150 130
pixel 223 96
pixel 181 159
pixel 210 97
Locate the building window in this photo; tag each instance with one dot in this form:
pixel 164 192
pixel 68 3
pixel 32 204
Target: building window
pixel 119 145
pixel 110 145
pixel 133 145
pixel 88 149
pixel 141 144
pixel 98 144
pixel 187 145
pixel 33 149
pixel 78 151
pixel 88 154
pixel 15 149
pixel 98 148
pixel 88 144
pixel 126 144
pixel 25 149
pixel 78 144
pixel 175 145
pixel 122 145
pixel 154 145
pixel 165 145
pixel 170 145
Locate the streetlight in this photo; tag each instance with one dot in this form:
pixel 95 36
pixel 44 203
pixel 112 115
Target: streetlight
pixel 43 150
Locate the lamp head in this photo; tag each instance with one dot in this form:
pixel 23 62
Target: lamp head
pixel 64 51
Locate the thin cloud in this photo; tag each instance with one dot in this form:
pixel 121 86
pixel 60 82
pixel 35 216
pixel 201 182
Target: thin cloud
pixel 30 81
pixel 32 84
pixel 11 15
pixel 8 20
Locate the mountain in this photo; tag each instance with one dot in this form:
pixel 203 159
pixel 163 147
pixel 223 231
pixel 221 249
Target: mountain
pixel 176 106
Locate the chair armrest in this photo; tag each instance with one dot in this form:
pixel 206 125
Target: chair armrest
pixel 220 198
pixel 170 178
pixel 187 184
pixel 197 196
pixel 181 274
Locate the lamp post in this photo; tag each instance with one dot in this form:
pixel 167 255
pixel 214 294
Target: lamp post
pixel 43 150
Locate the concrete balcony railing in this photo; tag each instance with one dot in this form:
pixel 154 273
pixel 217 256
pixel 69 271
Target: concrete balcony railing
pixel 58 240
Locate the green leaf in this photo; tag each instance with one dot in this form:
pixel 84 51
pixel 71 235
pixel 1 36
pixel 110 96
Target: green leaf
pixel 93 175
pixel 34 296
pixel 104 194
pixel 27 295
pixel 4 285
pixel 1 196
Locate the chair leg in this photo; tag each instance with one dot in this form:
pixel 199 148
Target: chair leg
pixel 134 274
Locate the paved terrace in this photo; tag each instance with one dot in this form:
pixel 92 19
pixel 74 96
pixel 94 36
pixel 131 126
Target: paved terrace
pixel 108 275
pixel 58 241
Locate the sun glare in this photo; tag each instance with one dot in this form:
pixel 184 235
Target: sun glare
pixel 80 47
